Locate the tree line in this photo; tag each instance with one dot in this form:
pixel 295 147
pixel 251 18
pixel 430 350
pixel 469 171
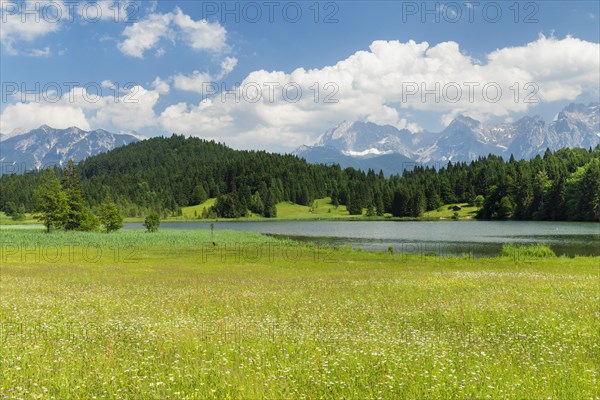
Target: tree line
pixel 162 175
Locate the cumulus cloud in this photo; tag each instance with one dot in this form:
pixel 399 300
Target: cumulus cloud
pixel 147 33
pixel 29 20
pixel 382 84
pixel 387 82
pixel 112 109
pixel 26 21
pixel 198 81
pixel 201 34
pixel 22 117
pixel 161 86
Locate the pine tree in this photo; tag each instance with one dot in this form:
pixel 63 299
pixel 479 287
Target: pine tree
pixel 79 216
pixel 400 203
pixel 51 202
pixel 379 208
pixel 505 208
pixel 353 205
pixel 270 207
pixel 256 204
pixel 110 217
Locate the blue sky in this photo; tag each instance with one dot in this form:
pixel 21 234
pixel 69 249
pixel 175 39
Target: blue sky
pixel 553 44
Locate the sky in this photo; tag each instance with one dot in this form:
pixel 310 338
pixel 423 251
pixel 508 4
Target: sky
pixel 275 75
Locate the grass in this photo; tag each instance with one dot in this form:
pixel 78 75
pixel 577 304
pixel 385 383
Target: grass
pixel 527 251
pixel 445 212
pixel 254 317
pixel 285 210
pixel 323 210
pixel 196 211
pixel 6 220
pixel 320 208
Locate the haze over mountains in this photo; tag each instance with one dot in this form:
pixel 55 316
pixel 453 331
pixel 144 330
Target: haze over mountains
pixel 368 145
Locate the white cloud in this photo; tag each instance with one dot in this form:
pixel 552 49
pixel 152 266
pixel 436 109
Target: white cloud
pixel 26 21
pixel 200 35
pixel 179 117
pixel 129 109
pixel 27 116
pixel 147 33
pixel 368 85
pixel 29 20
pixel 374 86
pixel 45 52
pixel 227 65
pixel 198 81
pixel 160 86
pixel 133 110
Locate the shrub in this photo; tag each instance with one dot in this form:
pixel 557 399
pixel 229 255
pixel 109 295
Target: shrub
pixel 152 222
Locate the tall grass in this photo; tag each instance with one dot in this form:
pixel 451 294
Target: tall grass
pixel 292 324
pixel 163 238
pixel 518 251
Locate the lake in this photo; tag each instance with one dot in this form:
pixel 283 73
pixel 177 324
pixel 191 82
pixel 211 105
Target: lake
pixel 445 238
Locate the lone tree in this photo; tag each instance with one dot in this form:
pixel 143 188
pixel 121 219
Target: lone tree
pixel 79 216
pixel 152 222
pixel 51 202
pixel 110 217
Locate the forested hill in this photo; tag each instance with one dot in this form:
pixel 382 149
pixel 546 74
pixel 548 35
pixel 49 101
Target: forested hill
pixel 169 173
pixel 178 171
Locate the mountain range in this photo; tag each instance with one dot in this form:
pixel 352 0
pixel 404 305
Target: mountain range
pixel 367 145
pixel 46 146
pixel 361 145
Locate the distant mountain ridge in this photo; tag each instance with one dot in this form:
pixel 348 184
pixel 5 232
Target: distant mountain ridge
pixel 390 163
pixel 464 139
pixel 46 146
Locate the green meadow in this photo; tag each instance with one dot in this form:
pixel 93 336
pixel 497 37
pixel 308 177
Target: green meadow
pixel 170 315
pixel 321 209
pixel 324 209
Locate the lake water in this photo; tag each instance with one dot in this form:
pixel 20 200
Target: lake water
pixel 480 238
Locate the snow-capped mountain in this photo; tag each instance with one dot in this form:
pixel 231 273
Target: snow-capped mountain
pixel 392 163
pixel 46 146
pixel 364 139
pixel 464 139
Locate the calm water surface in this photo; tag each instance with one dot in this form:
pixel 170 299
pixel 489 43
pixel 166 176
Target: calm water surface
pixel 442 238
